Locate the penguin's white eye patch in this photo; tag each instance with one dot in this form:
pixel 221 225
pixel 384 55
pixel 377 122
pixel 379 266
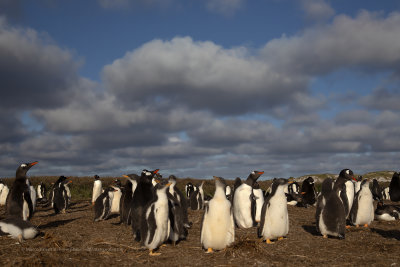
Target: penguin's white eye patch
pixel 253 172
pixel 148 173
pixel 23 165
pixel 347 171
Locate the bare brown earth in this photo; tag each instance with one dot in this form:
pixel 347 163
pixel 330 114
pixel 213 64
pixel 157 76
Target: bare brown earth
pixel 73 239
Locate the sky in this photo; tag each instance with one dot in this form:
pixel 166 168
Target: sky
pixel 198 88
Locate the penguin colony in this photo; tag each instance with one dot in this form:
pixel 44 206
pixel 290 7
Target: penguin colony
pixel 156 209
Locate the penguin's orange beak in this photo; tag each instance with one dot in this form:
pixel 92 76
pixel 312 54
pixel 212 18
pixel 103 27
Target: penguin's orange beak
pixel 69 181
pixel 354 178
pixel 126 176
pixel 303 193
pixel 156 171
pixel 168 184
pixel 261 173
pixel 33 163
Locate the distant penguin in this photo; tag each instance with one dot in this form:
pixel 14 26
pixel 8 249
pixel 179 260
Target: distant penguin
pixel 60 197
pixel 376 190
pixel 292 192
pixel 4 194
pixel 346 176
pixel 196 198
pixel 385 193
pixel 188 189
pixel 362 212
pixel 308 193
pixel 176 193
pixel 259 196
pixel 228 193
pixel 274 215
pixel 326 189
pixel 386 212
pixel 41 193
pixel 218 228
pixel 117 193
pixel 51 196
pixel 18 229
pixel 201 195
pixel 154 228
pixel 357 184
pixel 394 187
pixel 97 188
pixel 126 198
pixel 33 196
pixel 331 219
pixel 103 203
pixel 19 202
pixel 243 201
pixel 142 196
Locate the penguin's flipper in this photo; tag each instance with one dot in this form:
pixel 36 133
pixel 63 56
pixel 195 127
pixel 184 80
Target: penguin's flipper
pixel 27 197
pixel 262 222
pixel 253 208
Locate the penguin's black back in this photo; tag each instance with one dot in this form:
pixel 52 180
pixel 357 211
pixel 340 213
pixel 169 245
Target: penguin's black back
pixel 101 206
pixel 176 216
pixel 326 189
pixel 15 199
pixel 376 190
pixel 394 187
pixel 308 192
pixel 60 197
pixel 125 203
pixel 334 214
pixel 195 199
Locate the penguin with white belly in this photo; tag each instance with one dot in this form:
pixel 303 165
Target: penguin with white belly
pixel 362 212
pixel 41 193
pixel 243 201
pixel 385 193
pixel 274 215
pixel 3 195
pixel 189 188
pixel 357 184
pixel 19 202
pixel 117 193
pixel 292 192
pixel 259 196
pixel 18 229
pixel 386 212
pixel 178 210
pixel 331 214
pixel 346 176
pixel 155 226
pixel 197 197
pixel 97 189
pixel 218 228
pixel 103 203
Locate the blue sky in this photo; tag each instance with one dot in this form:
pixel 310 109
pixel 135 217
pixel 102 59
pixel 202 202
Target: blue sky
pixel 199 88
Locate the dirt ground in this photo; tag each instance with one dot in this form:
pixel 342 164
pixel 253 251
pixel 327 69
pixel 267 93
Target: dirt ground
pixel 73 239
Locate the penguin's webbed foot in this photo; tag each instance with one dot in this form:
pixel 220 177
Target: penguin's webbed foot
pixel 209 250
pixel 269 241
pixel 366 225
pixel 20 239
pixel 152 253
pixel 325 236
pixel 281 238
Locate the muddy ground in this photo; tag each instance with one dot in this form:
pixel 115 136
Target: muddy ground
pixel 73 239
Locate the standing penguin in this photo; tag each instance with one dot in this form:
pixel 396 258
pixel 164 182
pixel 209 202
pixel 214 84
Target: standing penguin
pixel 362 211
pixel 178 195
pixel 97 188
pixel 259 196
pixel 116 200
pixel 197 197
pixel 154 228
pixel 4 194
pixel 357 184
pixel 394 187
pixel 385 193
pixel 60 197
pixel 19 202
pixel 126 198
pixel 188 189
pixel 330 213
pixel 228 193
pixel 308 192
pixel 243 201
pixel 218 228
pixel 41 193
pixel 18 229
pixel 141 198
pixel 274 215
pixel 386 212
pixel 103 203
pixel 346 176
pixel 376 190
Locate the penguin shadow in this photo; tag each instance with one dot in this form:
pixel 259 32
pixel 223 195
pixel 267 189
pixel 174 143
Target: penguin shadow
pixel 387 233
pixel 112 216
pixel 56 223
pixel 311 230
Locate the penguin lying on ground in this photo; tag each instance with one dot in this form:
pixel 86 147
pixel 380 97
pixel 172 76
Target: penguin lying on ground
pixel 274 215
pixel 330 213
pixel 362 212
pixel 394 187
pixel 218 228
pixel 292 192
pixel 244 202
pixel 154 228
pixel 18 229
pixel 19 202
pixel 97 189
pixel 103 203
pixel 308 193
pixel 386 212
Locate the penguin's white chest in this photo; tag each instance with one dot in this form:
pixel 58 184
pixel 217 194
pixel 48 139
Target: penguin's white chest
pixel 242 206
pixel 365 212
pixel 350 193
pixel 96 190
pixel 276 222
pixel 115 201
pixel 161 220
pixel 259 203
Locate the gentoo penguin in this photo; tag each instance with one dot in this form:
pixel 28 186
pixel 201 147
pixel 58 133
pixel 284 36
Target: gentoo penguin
pixel 330 213
pixel 1 186
pixel 259 196
pixel 126 198
pixel 292 192
pixel 346 176
pixel 103 203
pixel 274 215
pixel 376 190
pixel 386 212
pixel 182 220
pixel 60 197
pixel 19 202
pixel 197 197
pixel 394 187
pixel 218 228
pixel 326 188
pixel 308 193
pixel 362 211
pixel 97 188
pixel 357 184
pixel 4 194
pixel 141 198
pixel 385 193
pixel 18 228
pixel 228 193
pixel 188 189
pixel 41 193
pixel 116 200
pixel 33 195
pixel 243 201
pixel 155 219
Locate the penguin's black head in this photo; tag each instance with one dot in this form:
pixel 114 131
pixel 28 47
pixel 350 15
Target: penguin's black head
pixel 117 183
pixel 253 176
pixel 220 182
pixel 282 181
pixel 347 174
pixel 256 185
pixel 96 177
pixel 149 174
pixel 162 184
pixel 310 180
pixel 365 182
pixel 172 179
pixel 359 178
pixel 327 186
pixel 24 168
